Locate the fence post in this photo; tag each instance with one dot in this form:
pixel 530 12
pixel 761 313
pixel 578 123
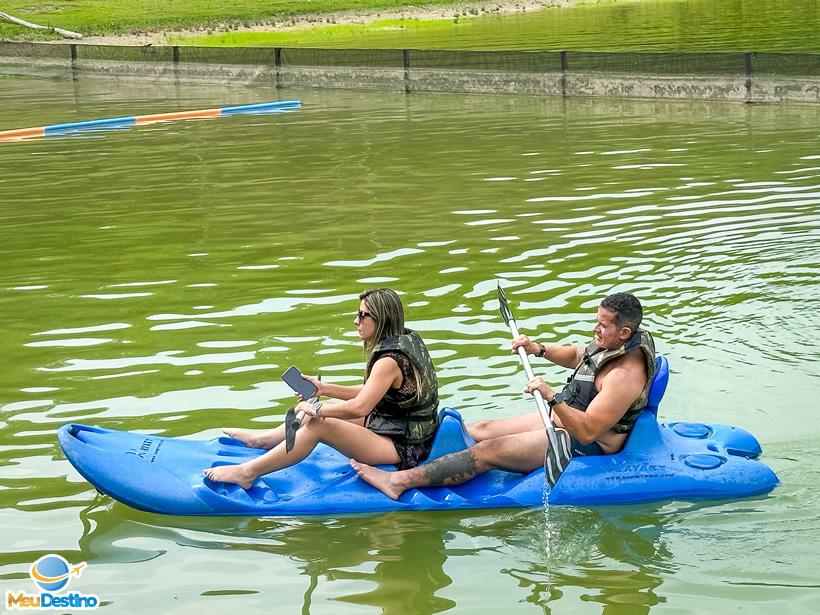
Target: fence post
pixel 74 61
pixel 175 60
pixel 405 54
pixel 277 63
pixel 564 64
pixel 748 57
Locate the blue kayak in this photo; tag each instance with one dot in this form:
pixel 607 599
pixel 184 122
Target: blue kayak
pixel 688 461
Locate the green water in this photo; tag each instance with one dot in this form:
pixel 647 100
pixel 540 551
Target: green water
pixel 653 25
pixel 161 278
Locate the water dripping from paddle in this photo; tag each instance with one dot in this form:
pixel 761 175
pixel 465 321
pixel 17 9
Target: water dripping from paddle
pixel 545 507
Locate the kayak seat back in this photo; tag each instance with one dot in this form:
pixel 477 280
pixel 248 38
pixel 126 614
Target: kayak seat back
pixel 451 436
pixel 646 429
pixel 659 383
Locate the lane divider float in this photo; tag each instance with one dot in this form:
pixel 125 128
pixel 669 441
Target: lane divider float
pixel 143 120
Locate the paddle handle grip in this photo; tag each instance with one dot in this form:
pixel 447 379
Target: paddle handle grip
pixel 297 420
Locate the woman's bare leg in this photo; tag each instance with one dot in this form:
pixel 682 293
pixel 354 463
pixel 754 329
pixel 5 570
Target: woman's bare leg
pixel 267 439
pixel 253 439
pixel 348 438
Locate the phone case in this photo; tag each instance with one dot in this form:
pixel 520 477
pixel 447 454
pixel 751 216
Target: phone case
pixel 293 378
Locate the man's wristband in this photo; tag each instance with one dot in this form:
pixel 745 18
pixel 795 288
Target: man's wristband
pixel 542 350
pixel 316 410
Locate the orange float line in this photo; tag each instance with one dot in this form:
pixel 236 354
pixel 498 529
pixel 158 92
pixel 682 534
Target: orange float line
pixel 22 133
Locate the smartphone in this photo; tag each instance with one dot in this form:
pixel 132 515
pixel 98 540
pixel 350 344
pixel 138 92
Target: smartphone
pixel 293 378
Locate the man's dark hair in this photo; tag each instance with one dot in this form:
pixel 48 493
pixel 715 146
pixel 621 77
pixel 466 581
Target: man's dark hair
pixel 627 309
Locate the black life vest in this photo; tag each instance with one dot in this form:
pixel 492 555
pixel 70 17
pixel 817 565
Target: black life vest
pixel 415 420
pixel 580 389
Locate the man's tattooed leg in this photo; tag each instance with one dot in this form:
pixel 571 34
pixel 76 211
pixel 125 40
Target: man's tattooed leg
pixel 452 469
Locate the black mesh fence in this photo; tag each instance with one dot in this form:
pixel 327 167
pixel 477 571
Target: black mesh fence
pixel 786 64
pixel 696 74
pixel 117 53
pixel 35 50
pixel 227 55
pixel 657 63
pixel 620 63
pixel 495 61
pixel 362 58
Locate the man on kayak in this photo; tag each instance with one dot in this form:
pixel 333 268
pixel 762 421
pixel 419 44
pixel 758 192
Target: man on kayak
pixel 593 414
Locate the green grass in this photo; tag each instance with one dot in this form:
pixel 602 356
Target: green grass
pixel 591 25
pixel 107 17
pixel 320 36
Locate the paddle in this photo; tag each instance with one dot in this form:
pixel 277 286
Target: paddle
pixel 554 462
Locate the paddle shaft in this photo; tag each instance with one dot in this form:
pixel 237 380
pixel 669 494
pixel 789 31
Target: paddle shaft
pixel 539 399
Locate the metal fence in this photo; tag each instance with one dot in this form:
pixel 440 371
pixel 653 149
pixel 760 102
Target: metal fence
pixel 751 76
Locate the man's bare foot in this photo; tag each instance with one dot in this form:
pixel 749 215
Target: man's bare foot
pixel 251 439
pixel 236 475
pixel 383 481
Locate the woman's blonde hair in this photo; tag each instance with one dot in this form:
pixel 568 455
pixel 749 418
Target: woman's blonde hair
pixel 386 310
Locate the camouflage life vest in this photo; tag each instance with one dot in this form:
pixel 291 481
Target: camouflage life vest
pixel 580 389
pixel 416 419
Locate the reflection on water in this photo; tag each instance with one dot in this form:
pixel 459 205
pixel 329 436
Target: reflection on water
pixel 610 556
pixel 162 279
pixel 397 562
pixel 378 558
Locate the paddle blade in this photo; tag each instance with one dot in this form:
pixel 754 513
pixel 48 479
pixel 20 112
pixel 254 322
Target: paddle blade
pixel 293 421
pixel 291 425
pixel 504 305
pixel 557 459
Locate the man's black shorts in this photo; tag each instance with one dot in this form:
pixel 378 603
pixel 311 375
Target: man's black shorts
pixel 593 448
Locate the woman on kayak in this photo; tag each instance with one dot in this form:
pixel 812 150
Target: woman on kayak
pixel 390 419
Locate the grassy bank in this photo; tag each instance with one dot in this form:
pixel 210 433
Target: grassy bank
pixel 119 17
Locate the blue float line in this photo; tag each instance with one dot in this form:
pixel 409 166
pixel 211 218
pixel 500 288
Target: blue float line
pixel 114 121
pixel 283 104
pixel 133 120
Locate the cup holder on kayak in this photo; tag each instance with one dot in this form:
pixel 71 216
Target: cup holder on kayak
pixel 692 430
pixel 704 461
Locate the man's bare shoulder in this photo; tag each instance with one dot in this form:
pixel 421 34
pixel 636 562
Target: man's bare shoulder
pixel 630 368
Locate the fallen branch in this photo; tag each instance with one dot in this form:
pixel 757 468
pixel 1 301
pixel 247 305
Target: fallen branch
pixel 27 24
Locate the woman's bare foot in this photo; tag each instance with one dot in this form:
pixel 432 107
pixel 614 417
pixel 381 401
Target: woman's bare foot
pixel 251 439
pixel 237 475
pixel 383 481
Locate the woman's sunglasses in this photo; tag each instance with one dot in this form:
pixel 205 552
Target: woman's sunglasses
pixel 361 315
